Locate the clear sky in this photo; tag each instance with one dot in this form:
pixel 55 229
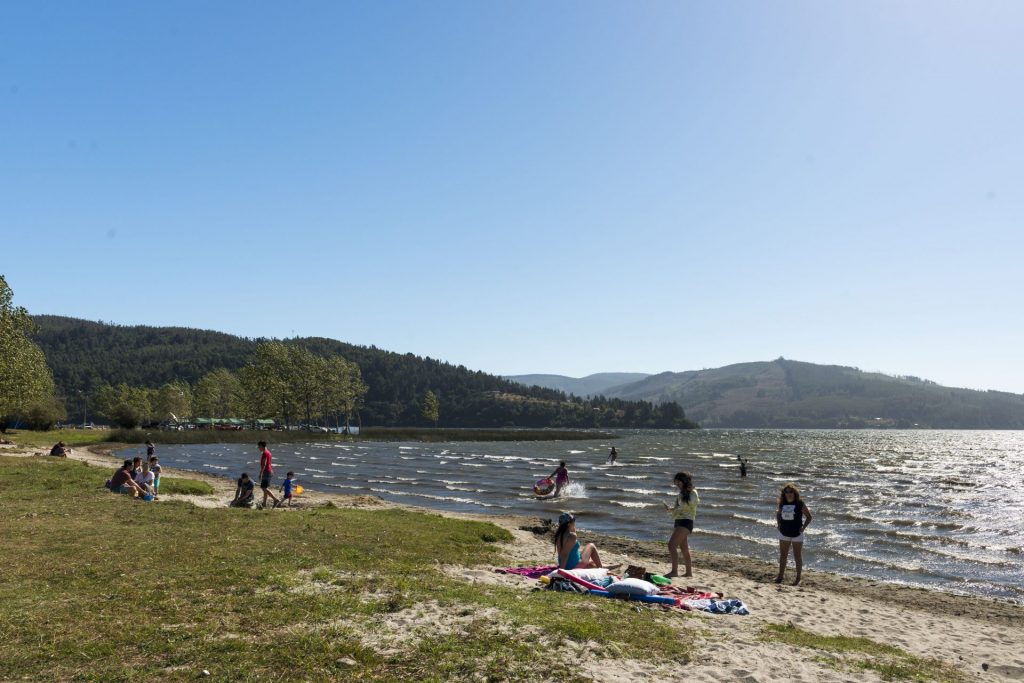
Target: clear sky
pixel 567 187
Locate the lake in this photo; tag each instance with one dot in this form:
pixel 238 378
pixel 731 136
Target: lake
pixel 939 509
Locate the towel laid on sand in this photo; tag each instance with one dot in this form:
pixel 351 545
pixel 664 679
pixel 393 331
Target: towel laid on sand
pixel 529 572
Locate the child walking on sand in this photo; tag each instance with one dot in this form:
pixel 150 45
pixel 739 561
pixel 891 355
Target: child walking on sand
pixel 684 512
pixel 791 517
pixel 286 488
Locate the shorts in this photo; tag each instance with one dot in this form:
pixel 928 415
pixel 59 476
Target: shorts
pixel 265 481
pixel 124 488
pixel 792 539
pixel 687 523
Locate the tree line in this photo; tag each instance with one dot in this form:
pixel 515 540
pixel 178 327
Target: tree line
pixel 217 374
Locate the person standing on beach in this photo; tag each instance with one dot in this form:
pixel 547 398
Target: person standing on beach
pixel 266 473
pixel 684 512
pixel 561 477
pixel 791 517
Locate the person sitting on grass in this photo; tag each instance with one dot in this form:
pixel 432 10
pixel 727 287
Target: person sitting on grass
pixel 122 481
pixel 59 450
pixel 567 546
pixel 245 492
pixel 145 479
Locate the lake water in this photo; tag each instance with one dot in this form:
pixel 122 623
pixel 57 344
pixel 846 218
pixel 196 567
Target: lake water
pixel 940 509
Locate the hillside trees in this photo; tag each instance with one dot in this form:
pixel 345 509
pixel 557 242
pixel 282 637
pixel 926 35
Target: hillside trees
pixel 25 378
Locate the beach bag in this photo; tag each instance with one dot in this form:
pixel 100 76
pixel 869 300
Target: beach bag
pixel 634 572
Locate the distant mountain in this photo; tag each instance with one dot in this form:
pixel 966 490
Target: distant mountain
pixel 786 393
pixel 591 385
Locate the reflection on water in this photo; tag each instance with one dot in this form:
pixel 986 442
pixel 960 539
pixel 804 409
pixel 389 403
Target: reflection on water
pixel 940 509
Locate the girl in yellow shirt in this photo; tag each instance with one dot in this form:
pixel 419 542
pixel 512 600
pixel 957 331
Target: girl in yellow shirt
pixel 683 512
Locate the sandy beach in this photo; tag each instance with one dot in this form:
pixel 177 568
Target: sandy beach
pixel 982 639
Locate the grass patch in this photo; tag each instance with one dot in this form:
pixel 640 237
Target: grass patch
pixel 103 587
pixel 72 437
pixel 862 654
pixel 188 487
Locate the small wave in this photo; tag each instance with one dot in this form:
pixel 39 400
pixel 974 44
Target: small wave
pixel 757 520
pixel 651 457
pixel 645 492
pixel 626 476
pixel 576 452
pixel 323 476
pixel 631 504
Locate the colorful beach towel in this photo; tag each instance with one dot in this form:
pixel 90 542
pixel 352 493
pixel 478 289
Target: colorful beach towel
pixel 529 572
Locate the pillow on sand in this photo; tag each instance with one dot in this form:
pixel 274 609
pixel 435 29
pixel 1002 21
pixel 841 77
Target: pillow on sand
pixel 593 575
pixel 632 587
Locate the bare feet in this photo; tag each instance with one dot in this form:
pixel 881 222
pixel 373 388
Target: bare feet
pixel 796 581
pixel 687 574
pixel 670 575
pixel 778 579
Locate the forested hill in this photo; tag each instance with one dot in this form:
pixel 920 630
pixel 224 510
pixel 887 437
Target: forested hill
pixel 602 383
pixel 786 393
pixel 85 355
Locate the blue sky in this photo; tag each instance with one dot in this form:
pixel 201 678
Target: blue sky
pixel 565 187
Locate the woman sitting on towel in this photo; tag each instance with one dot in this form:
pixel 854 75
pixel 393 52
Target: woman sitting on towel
pixel 567 546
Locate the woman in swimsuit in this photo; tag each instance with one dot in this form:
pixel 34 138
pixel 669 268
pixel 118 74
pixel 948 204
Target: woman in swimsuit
pixel 561 477
pixel 567 546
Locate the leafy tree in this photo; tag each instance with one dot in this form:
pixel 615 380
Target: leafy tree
pixel 25 378
pixel 431 408
pixel 217 394
pixel 172 400
pixel 124 405
pixel 45 412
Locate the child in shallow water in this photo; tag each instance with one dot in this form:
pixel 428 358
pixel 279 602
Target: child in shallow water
pixel 567 546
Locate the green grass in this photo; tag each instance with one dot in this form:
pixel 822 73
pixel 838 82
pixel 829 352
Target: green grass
pixel 862 654
pixel 189 487
pixel 102 587
pixel 72 437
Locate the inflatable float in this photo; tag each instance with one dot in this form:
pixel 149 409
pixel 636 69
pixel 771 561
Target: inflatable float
pixel 544 486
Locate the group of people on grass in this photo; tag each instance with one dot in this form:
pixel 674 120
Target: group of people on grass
pixel 792 515
pixel 245 491
pixel 137 478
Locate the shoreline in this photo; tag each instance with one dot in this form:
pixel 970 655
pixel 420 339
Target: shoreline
pixel 980 638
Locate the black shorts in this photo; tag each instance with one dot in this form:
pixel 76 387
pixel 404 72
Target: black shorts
pixel 265 481
pixel 688 523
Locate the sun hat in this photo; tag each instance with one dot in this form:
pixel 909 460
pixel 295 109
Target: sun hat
pixel 565 518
